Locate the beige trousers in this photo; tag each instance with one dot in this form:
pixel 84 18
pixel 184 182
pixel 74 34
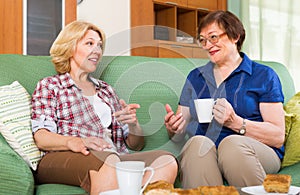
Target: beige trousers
pixel 240 160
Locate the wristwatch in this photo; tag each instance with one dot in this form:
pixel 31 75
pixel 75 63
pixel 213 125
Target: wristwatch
pixel 242 131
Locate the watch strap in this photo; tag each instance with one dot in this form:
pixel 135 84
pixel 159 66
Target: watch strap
pixel 243 129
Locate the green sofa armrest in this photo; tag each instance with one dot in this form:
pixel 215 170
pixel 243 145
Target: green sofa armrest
pixel 15 175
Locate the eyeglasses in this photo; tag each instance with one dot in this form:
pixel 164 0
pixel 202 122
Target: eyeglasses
pixel 213 39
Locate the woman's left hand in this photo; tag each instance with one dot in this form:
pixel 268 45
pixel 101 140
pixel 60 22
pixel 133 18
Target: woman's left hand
pixel 128 113
pixel 223 112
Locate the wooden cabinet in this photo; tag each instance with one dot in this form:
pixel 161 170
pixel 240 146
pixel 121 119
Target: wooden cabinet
pixel 174 50
pixel 11 24
pixel 207 4
pixel 174 2
pixel 163 28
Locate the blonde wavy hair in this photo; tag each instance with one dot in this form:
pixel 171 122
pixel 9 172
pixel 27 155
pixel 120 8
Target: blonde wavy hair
pixel 64 45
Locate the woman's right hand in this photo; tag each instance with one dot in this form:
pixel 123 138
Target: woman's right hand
pixel 83 145
pixel 174 123
pixel 49 141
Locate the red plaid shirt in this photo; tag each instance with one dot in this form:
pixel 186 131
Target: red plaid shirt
pixel 59 106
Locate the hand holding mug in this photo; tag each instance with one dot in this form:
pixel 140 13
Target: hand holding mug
pixel 223 112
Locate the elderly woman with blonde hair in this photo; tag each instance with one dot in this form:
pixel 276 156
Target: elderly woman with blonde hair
pixel 81 124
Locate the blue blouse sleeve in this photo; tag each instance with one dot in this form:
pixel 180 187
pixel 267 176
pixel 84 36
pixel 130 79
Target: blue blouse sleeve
pixel 273 89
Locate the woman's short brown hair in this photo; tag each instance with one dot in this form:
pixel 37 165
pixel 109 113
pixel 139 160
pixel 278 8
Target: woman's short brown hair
pixel 64 45
pixel 227 21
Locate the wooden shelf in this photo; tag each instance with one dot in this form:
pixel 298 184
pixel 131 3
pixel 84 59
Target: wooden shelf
pixel 173 2
pixel 156 29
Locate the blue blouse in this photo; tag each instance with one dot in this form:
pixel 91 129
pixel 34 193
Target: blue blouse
pixel 248 85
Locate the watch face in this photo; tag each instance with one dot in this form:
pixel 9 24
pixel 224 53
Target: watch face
pixel 242 131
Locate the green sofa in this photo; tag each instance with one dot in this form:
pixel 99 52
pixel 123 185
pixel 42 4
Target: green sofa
pixel 151 82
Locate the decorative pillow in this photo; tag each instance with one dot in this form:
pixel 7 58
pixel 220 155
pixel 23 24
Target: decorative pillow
pixel 15 125
pixel 292 143
pixel 293 105
pixel 289 118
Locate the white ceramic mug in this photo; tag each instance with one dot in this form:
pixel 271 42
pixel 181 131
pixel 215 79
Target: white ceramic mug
pixel 130 176
pixel 204 109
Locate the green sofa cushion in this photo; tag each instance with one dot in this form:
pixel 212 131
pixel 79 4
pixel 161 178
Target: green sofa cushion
pixel 293 105
pixel 289 118
pixel 292 144
pixel 294 171
pixel 58 189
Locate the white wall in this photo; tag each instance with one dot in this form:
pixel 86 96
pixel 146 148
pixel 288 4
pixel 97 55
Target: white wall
pixel 113 16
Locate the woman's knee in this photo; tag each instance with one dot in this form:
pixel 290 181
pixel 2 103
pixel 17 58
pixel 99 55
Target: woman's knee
pixel 171 163
pixel 165 161
pixel 198 140
pixel 232 150
pixel 111 160
pixel 198 146
pixel 166 168
pixel 230 143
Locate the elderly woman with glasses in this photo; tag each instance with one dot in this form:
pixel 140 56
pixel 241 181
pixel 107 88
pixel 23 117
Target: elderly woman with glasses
pixel 244 140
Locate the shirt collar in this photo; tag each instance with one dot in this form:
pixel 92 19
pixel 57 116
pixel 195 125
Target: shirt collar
pixel 67 81
pixel 246 66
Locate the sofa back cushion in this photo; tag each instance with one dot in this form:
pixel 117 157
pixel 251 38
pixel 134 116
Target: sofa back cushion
pixel 151 82
pixel 25 69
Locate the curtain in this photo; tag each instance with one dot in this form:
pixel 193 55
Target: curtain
pixel 273 32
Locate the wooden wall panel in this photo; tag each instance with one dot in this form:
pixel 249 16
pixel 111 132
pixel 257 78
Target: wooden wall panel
pixel 70 11
pixel 11 24
pixel 11 19
pixel 222 4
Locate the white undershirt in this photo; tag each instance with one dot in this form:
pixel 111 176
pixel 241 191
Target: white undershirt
pixel 104 113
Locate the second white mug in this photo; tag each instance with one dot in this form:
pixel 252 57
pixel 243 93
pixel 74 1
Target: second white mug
pixel 130 175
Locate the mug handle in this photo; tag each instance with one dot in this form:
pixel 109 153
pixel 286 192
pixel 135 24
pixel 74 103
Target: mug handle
pixel 149 179
pixel 212 114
